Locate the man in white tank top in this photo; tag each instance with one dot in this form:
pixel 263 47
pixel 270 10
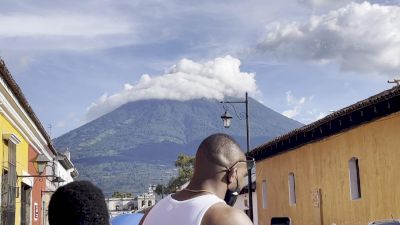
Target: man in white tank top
pixel 219 174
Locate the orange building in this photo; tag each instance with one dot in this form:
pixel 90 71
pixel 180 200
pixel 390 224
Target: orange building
pixel 343 169
pixel 39 185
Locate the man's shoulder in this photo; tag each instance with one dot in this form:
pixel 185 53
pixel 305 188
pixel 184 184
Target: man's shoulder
pixel 222 214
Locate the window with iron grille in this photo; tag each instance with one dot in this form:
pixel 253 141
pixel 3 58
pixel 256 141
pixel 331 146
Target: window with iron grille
pixel 9 186
pixel 26 191
pixel 4 196
pixel 12 182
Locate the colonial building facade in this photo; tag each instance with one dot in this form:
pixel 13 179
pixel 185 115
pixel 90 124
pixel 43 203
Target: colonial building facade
pixel 28 159
pixel 342 169
pixel 140 203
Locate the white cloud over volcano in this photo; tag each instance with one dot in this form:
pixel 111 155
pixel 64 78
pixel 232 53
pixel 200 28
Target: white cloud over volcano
pixel 360 37
pixel 184 81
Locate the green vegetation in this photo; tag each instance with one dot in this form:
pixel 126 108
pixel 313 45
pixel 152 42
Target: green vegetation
pixel 129 148
pixel 128 177
pixel 118 194
pixel 185 166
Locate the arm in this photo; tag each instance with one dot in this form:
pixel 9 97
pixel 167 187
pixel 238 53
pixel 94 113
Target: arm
pixel 146 211
pixel 221 214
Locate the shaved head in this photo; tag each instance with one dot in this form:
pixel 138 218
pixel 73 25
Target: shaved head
pixel 218 150
pixel 217 169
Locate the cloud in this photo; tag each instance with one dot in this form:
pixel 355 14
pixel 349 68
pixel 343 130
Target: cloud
pixel 320 115
pixel 206 27
pixel 60 31
pixel 323 3
pixel 184 81
pixel 59 25
pixel 360 37
pixel 295 103
pixel 312 116
pixel 299 109
pixel 68 119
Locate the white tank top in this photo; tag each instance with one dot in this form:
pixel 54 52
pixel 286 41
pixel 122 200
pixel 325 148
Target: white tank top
pixel 169 211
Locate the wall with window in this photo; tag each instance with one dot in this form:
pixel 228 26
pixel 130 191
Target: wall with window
pixel 292 189
pixel 21 158
pixel 348 178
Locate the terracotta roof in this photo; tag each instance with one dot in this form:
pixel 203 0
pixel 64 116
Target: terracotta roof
pixel 16 90
pixel 372 108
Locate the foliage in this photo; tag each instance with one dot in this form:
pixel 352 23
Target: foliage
pixel 133 177
pixel 118 194
pixel 185 165
pixel 160 189
pixel 130 147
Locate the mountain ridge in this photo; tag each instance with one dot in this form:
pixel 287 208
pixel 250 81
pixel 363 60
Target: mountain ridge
pixel 153 132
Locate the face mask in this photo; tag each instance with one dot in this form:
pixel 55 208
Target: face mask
pixel 231 196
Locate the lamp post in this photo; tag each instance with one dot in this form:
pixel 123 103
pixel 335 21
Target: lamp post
pixel 226 118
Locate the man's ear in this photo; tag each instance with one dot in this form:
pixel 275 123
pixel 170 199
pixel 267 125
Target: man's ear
pixel 231 175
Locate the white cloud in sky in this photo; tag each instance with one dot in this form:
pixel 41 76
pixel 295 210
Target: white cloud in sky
pixel 22 25
pixel 360 37
pixel 323 3
pixel 295 104
pixel 70 31
pixel 69 118
pixel 320 116
pixel 299 109
pixel 208 26
pixel 184 81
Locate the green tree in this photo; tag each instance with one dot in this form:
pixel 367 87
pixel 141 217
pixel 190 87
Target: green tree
pixel 160 189
pixel 185 165
pixel 119 194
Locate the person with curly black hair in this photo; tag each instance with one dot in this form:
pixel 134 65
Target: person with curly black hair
pixel 78 203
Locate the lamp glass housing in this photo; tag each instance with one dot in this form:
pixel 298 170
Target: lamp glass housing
pixel 41 162
pixel 226 118
pixel 41 167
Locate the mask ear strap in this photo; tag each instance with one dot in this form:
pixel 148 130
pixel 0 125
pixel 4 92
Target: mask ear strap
pixel 228 174
pixel 237 180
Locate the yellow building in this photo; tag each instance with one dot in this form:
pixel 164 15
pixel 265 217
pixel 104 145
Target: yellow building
pixel 341 170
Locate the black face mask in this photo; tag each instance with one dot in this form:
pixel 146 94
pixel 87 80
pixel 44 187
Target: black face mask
pixel 231 196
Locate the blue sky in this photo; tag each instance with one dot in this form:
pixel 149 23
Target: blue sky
pixel 78 60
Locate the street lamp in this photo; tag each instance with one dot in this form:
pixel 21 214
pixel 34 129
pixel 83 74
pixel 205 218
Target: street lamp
pixel 40 163
pixel 226 118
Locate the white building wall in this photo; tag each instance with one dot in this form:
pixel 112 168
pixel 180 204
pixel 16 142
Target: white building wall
pixel 112 203
pixel 146 200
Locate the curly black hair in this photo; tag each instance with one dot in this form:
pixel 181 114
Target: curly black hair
pixel 78 203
